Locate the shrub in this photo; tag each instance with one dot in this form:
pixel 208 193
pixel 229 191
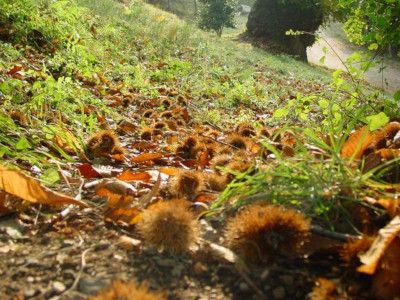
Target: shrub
pixel 269 20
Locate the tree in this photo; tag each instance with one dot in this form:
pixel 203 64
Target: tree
pixel 217 14
pixel 269 20
pixel 375 24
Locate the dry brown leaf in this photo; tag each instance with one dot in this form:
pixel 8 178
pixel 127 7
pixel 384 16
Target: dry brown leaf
pixel 386 282
pixel 371 258
pixel 114 186
pixel 362 139
pixel 29 189
pixel 4 210
pixel 146 157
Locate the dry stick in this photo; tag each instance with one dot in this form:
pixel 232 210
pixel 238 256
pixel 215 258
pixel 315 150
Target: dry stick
pixel 343 237
pixel 79 275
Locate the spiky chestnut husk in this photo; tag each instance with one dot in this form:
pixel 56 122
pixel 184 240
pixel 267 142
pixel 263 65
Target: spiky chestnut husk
pixel 260 232
pixel 166 103
pixel 157 132
pixel 181 100
pixel 146 134
pixel 220 160
pixel 237 141
pixel 119 290
pixel 166 115
pixel 169 226
pixel 160 125
pixel 245 130
pixel 215 182
pixel 172 125
pixel 102 144
pixel 148 113
pixel 190 148
pixel 186 184
pixel 19 118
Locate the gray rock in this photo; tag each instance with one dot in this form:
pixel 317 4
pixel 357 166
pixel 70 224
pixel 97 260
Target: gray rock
pixel 91 286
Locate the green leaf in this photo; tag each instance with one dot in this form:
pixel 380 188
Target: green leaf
pixel 23 144
pixel 50 176
pixel 280 113
pixel 396 96
pixel 373 46
pixel 377 121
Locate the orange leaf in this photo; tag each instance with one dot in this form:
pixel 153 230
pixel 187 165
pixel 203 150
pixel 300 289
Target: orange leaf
pixel 129 176
pixel 118 157
pixel 388 154
pixel 203 159
pixel 169 171
pixel 88 171
pixel 114 186
pixel 123 214
pixel 392 206
pixel 146 157
pixel 357 143
pixel 371 258
pixel 29 189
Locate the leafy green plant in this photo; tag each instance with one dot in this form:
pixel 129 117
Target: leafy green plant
pixel 217 14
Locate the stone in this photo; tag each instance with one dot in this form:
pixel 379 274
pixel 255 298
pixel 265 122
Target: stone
pixel 58 287
pixel 91 286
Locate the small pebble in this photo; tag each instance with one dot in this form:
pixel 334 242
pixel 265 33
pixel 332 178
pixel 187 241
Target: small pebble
pixel 58 287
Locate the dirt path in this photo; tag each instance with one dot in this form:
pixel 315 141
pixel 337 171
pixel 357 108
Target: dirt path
pixel 389 80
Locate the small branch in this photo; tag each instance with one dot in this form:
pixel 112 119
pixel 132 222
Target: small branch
pixel 343 237
pixel 79 275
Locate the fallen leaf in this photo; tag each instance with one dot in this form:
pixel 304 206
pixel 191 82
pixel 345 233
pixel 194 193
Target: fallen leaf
pixel 29 189
pixel 357 143
pixel 146 198
pixel 386 282
pixel 130 176
pixel 146 157
pixel 169 171
pixel 88 171
pixel 114 186
pixel 371 258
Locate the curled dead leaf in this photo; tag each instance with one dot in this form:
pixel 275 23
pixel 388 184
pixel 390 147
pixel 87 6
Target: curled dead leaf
pixel 146 157
pixel 372 257
pixel 29 189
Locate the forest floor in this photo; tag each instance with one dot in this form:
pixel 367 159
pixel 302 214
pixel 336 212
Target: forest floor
pixel 201 167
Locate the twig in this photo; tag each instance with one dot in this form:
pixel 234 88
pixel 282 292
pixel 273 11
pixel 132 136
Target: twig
pixel 344 237
pixel 79 275
pixel 37 215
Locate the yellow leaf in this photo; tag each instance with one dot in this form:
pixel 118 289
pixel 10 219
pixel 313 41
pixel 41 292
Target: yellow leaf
pixel 29 189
